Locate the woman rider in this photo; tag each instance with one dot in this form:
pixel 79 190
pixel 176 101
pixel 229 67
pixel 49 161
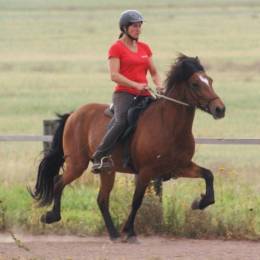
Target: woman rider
pixel 129 61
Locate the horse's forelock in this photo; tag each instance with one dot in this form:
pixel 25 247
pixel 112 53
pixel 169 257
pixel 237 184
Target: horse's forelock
pixel 182 69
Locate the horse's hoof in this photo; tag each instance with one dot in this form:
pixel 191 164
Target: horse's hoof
pixel 202 203
pixel 49 218
pixel 115 240
pixel 124 238
pixel 195 204
pixel 133 240
pixel 129 239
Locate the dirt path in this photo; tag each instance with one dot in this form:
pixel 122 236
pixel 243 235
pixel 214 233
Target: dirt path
pixel 100 248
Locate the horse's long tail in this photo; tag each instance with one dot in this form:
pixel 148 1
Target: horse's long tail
pixel 49 167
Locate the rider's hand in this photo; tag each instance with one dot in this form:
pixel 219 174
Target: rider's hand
pixel 160 90
pixel 141 86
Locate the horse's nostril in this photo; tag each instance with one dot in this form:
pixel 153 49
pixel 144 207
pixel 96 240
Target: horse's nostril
pixel 220 111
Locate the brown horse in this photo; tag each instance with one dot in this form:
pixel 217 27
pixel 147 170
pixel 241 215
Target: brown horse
pixel 161 147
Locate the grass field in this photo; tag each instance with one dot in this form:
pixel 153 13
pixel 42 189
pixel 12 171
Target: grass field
pixel 53 59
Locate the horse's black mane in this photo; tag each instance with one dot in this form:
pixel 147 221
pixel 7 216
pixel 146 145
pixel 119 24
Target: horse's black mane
pixel 181 70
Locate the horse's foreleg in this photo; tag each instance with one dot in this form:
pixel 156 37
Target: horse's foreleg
pixel 195 171
pixel 128 229
pixel 107 183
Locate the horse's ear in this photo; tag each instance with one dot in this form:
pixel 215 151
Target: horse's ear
pixel 197 59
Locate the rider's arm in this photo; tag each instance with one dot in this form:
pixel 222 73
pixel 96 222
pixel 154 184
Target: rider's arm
pixel 155 76
pixel 114 65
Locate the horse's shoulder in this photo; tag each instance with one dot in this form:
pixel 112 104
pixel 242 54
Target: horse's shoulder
pixel 151 110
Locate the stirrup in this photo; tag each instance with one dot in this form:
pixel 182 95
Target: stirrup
pixel 106 164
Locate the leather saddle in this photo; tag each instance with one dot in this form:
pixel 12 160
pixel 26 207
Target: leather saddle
pixel 140 104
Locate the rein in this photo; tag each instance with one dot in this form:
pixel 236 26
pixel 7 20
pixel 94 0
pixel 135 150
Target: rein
pixel 154 94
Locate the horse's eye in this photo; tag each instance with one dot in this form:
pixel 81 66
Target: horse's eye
pixel 194 86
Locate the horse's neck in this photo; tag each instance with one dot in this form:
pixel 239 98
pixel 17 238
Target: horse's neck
pixel 177 117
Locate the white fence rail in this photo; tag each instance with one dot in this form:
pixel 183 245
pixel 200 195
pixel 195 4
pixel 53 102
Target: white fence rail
pixel 199 140
pixel 25 138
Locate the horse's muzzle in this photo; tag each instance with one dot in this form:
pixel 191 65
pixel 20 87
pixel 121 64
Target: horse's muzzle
pixel 219 112
pixel 217 109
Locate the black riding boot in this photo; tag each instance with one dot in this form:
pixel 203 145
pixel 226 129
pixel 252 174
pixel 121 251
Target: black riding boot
pixel 102 161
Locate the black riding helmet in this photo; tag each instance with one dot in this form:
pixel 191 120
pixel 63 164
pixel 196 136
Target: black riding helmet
pixel 127 18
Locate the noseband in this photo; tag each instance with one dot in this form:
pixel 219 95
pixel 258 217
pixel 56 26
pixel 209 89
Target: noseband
pixel 207 105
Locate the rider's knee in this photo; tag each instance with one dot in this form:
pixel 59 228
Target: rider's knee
pixel 121 124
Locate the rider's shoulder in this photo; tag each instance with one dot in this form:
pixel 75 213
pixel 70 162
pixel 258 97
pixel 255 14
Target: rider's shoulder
pixel 117 44
pixel 143 44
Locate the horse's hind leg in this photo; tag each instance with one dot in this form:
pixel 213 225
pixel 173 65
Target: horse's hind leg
pixel 107 182
pixel 54 214
pixel 195 171
pixel 73 170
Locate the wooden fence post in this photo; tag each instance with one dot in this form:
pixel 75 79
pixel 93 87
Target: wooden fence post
pixel 49 128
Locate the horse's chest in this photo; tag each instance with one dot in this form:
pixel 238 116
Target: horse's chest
pixel 179 151
pixel 163 151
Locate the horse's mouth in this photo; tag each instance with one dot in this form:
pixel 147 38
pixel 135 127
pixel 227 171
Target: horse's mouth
pixel 218 112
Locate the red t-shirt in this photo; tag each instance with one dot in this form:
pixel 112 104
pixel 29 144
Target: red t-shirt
pixel 133 65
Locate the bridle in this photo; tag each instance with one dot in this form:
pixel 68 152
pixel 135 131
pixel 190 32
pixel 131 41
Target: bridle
pixel 203 107
pixel 207 105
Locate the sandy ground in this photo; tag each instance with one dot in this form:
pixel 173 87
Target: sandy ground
pixel 100 248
